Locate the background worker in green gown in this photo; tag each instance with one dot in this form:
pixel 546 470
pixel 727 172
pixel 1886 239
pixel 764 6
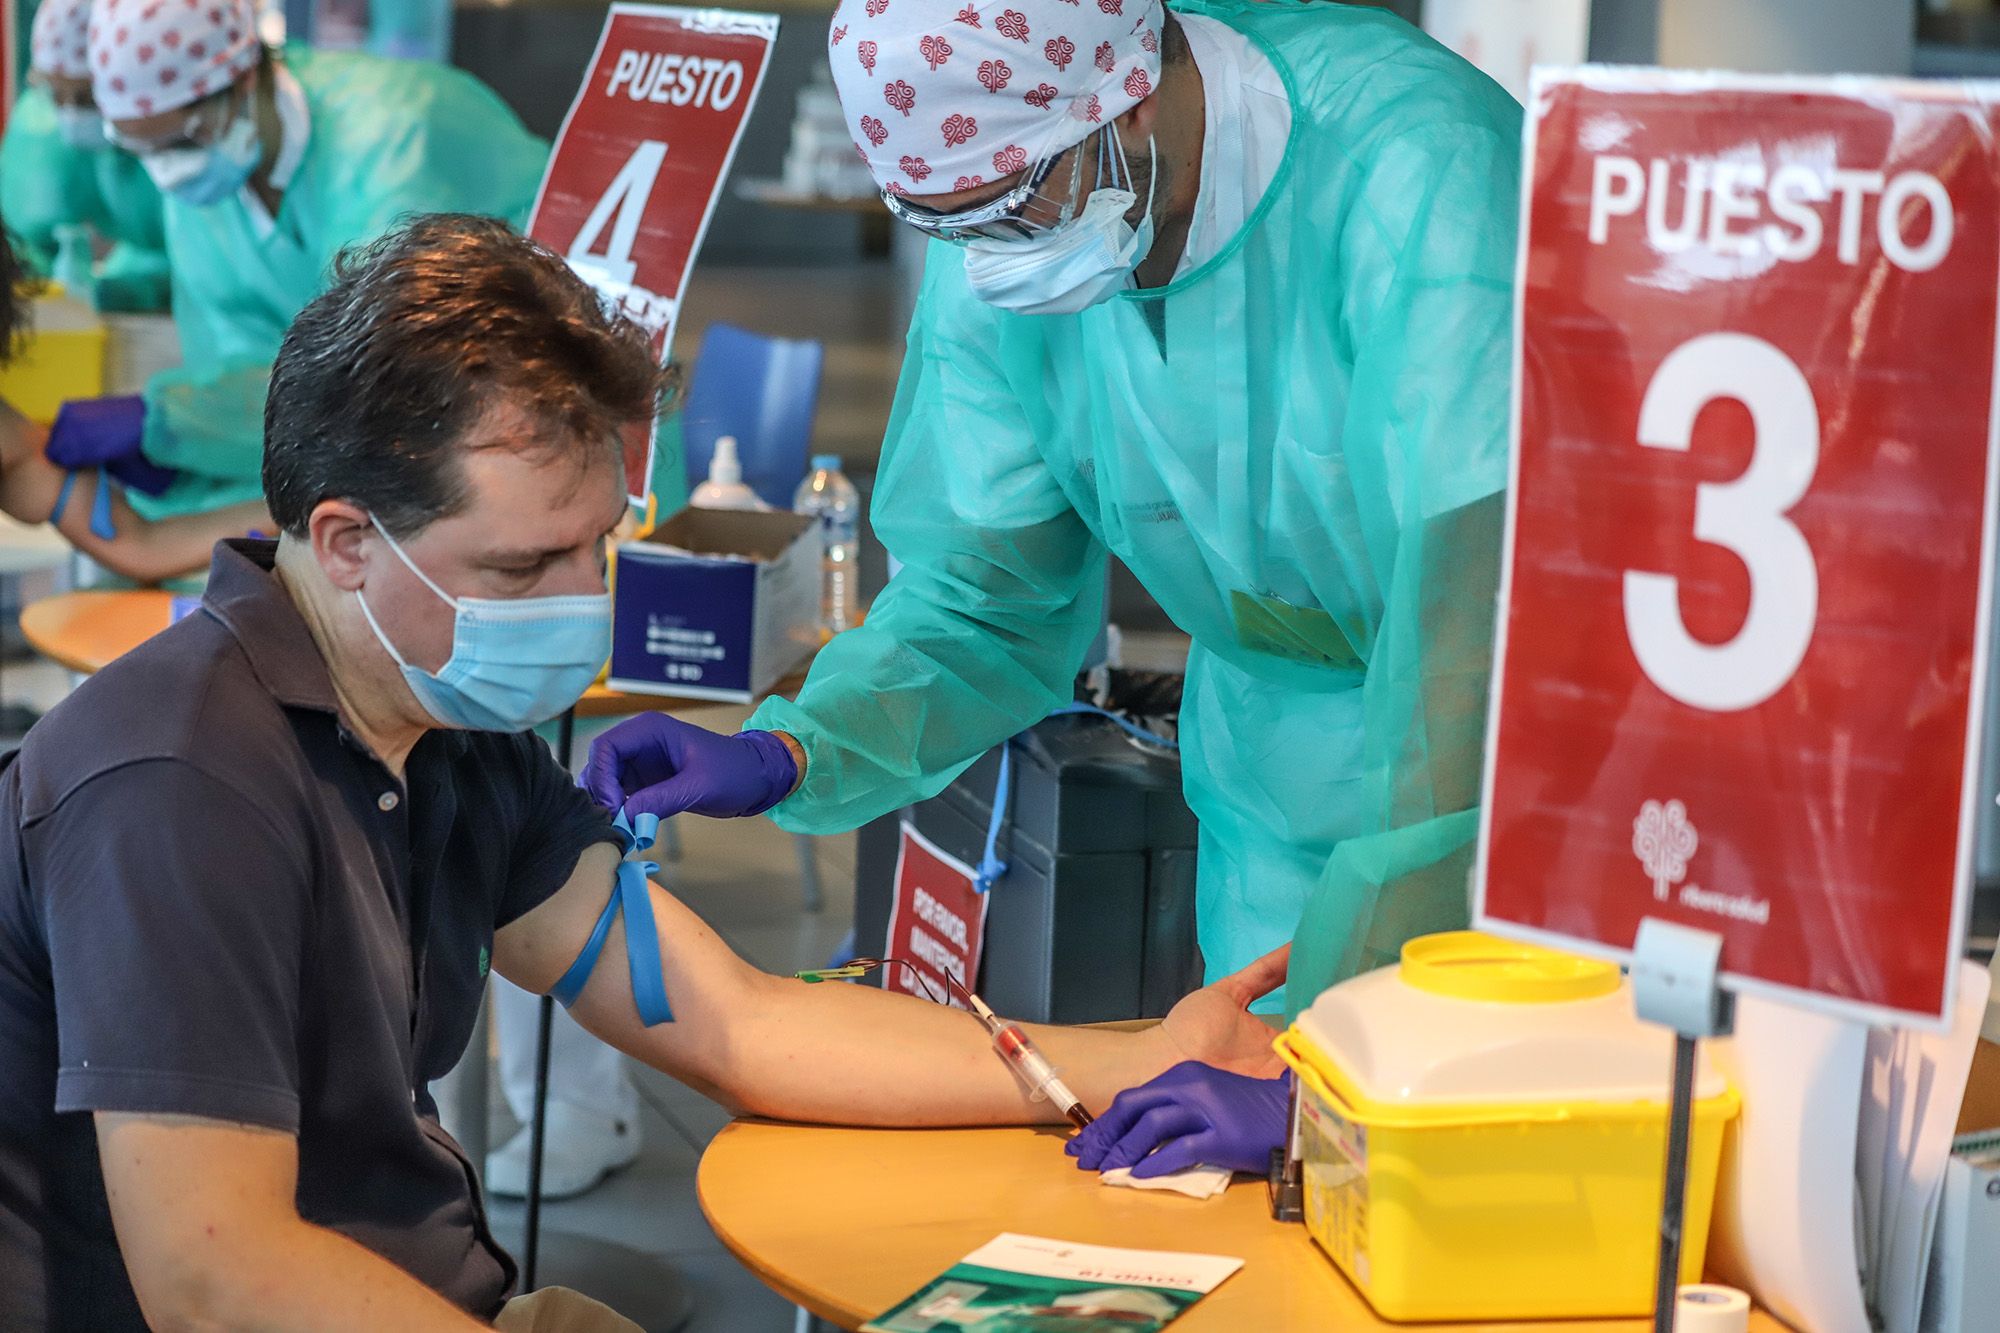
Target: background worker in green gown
pixel 62 182
pixel 271 162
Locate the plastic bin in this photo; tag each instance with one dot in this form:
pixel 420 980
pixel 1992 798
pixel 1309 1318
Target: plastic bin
pixel 1484 1133
pixel 62 357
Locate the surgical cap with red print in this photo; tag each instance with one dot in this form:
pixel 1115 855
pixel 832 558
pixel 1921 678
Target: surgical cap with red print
pixel 945 95
pixel 149 56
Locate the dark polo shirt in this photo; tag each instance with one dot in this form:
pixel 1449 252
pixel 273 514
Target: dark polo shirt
pixel 214 901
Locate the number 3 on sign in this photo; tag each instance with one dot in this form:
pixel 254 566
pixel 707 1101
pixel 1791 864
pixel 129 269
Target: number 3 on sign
pixel 628 196
pixel 1746 516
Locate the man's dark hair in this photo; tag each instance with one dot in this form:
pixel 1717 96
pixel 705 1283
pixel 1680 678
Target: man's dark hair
pixel 420 334
pixel 1174 48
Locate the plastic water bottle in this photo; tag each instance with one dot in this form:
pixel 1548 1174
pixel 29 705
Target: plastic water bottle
pixel 724 488
pixel 830 497
pixel 72 267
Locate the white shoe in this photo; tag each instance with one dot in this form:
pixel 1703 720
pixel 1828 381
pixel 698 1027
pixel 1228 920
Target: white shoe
pixel 580 1149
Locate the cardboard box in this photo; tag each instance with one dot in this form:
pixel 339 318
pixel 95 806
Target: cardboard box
pixel 716 604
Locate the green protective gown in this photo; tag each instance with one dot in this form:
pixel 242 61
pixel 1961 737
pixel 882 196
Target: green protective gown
pixel 410 29
pixel 388 137
pixel 46 184
pixel 1299 448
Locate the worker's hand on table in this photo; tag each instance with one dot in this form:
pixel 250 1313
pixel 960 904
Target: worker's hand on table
pixel 1225 1061
pixel 1214 1024
pixel 659 765
pixel 1192 1115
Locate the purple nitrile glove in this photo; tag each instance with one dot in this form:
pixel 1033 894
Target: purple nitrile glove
pixel 659 765
pixel 106 433
pixel 90 432
pixel 1192 1115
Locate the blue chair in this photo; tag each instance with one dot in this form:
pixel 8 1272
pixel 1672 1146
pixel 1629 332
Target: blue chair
pixel 764 391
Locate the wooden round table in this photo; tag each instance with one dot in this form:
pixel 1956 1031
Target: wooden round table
pixel 847 1222
pixel 87 631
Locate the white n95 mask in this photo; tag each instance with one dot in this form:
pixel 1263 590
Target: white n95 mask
pixel 1071 268
pixel 515 662
pixel 208 175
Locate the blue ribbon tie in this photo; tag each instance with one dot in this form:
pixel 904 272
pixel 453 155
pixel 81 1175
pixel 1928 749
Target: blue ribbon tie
pixel 100 509
pixel 629 895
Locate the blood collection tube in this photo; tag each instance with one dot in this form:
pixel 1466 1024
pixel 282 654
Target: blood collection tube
pixel 1034 1071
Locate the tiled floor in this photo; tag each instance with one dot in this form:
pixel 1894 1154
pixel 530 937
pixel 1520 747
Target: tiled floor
pixel 742 878
pixel 31 681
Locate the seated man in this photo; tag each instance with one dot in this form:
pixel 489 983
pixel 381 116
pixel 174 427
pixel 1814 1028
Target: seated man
pixel 254 871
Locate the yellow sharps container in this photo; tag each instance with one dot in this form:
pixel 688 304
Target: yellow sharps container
pixel 62 357
pixel 1485 1133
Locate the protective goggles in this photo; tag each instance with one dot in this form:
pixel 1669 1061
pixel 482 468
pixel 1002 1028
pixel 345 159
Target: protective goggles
pixel 1021 214
pixel 206 120
pixel 67 94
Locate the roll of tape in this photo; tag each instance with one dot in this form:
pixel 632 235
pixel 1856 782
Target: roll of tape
pixel 1711 1309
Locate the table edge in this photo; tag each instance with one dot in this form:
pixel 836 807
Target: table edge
pixel 820 1304
pixel 49 646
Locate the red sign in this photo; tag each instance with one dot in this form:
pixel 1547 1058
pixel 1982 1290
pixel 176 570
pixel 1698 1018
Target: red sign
pixel 641 159
pixel 937 923
pixel 1743 637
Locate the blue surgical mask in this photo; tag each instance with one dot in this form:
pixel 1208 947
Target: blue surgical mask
pixel 208 175
pixel 515 663
pixel 1072 268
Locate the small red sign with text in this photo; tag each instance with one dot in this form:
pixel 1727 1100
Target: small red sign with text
pixel 938 921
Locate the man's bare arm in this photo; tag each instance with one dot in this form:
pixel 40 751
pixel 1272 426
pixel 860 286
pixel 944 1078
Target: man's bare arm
pixel 848 1054
pixel 207 1221
pixel 147 550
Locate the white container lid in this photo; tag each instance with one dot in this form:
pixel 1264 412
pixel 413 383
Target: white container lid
pixel 1404 1044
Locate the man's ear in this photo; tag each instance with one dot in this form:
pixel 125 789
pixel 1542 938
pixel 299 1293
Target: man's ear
pixel 1139 122
pixel 340 535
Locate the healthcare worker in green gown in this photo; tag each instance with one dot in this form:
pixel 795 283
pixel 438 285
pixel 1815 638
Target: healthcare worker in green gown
pixel 271 163
pixel 1223 289
pixel 58 174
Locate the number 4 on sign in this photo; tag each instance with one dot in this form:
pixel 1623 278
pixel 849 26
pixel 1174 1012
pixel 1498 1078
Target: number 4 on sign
pixel 628 196
pixel 1746 517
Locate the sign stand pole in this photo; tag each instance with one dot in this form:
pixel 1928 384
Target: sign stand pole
pixel 538 1118
pixel 1675 983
